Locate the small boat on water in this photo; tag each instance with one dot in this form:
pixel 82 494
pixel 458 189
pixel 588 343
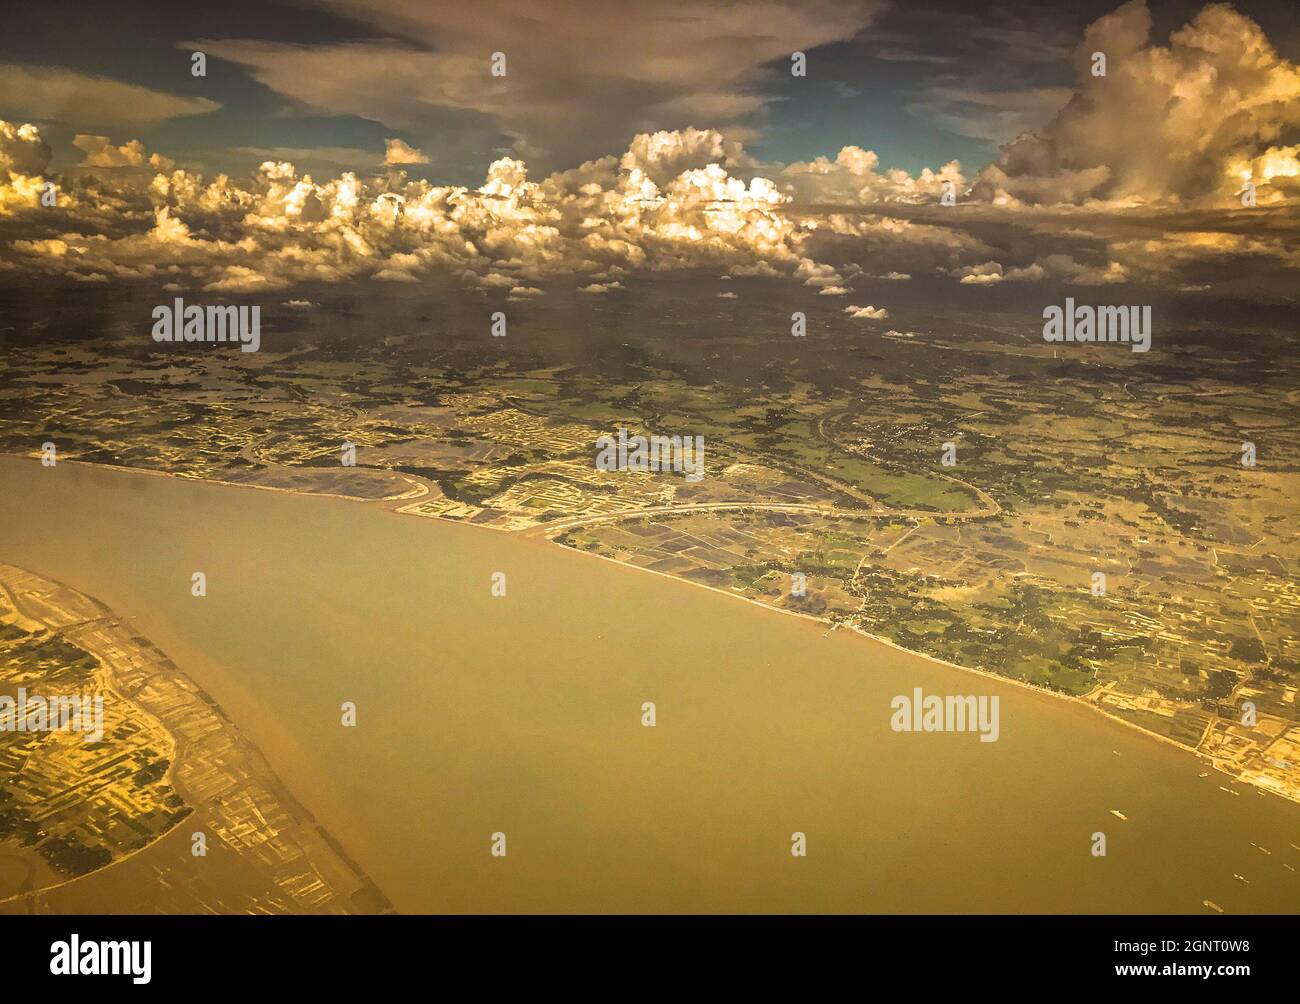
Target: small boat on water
pixel 1212 905
pixel 1116 812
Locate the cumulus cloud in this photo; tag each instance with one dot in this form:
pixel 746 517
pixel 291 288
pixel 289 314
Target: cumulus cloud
pixel 991 272
pixel 868 313
pixel 400 152
pixel 101 153
pixel 1168 258
pixel 685 199
pixel 24 156
pixel 852 178
pixel 1063 266
pixel 904 247
pixel 1130 181
pixel 664 155
pixel 282 226
pixel 1182 124
pixel 814 274
pixel 22 151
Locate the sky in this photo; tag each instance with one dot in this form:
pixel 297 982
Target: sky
pixel 919 84
pixel 369 140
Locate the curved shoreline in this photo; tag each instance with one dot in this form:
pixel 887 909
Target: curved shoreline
pixel 546 748
pixel 244 754
pixel 987 674
pixel 395 504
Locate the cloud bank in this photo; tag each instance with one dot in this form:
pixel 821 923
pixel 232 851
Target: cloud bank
pixel 1168 129
pixel 1183 124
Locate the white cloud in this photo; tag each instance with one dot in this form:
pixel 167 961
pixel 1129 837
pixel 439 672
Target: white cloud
pixel 24 157
pixel 1182 124
pixel 979 275
pixel 851 178
pixel 663 155
pixel 662 205
pixel 101 153
pixel 280 226
pixel 22 151
pixel 398 151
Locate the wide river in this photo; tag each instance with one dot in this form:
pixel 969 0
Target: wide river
pixel 522 714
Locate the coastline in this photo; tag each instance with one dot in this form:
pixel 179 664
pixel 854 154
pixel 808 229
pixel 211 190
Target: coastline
pixel 546 533
pixel 498 748
pixel 201 738
pixel 1081 701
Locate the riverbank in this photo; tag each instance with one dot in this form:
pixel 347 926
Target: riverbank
pixel 521 714
pixel 207 759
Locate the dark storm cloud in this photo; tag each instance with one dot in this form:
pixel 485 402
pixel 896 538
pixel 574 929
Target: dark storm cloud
pixel 581 78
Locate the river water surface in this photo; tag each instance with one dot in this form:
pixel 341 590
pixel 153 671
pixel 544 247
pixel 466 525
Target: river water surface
pixel 522 715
